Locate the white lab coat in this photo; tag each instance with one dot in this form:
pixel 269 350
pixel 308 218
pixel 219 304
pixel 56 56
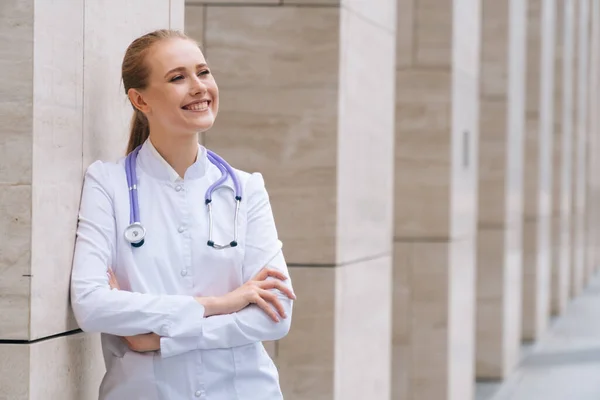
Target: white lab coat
pixel 217 358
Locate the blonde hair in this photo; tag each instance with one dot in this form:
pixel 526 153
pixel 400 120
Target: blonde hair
pixel 135 72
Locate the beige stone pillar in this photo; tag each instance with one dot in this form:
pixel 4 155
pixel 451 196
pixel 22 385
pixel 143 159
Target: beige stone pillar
pixel 594 198
pixel 595 147
pixel 499 241
pixel 307 99
pixel 563 155
pixel 538 169
pixel 573 180
pixel 62 108
pixel 591 219
pixel 580 143
pixel 437 107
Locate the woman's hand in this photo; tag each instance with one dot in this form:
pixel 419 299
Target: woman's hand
pixel 143 343
pixel 112 279
pixel 255 291
pixel 139 343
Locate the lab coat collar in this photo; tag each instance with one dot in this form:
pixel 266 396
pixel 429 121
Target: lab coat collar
pixel 154 164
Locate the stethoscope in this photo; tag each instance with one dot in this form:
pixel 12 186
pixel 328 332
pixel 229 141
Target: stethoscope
pixel 135 233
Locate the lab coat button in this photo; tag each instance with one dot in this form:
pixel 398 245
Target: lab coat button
pixel 181 229
pixel 178 188
pixel 199 393
pixel 183 272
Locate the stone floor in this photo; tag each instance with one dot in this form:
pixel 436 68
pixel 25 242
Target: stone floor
pixel 564 364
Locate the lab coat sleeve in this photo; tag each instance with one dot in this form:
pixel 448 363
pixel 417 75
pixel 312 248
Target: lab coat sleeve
pixel 97 308
pixel 250 324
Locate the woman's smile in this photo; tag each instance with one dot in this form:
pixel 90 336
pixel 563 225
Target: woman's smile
pixel 199 105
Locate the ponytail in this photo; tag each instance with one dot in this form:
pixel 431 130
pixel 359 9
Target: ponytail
pixel 135 73
pixel 139 130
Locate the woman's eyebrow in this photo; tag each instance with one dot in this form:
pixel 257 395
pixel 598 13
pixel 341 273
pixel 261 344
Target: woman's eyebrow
pixel 180 69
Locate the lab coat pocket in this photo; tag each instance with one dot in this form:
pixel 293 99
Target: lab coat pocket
pixel 256 372
pixel 252 355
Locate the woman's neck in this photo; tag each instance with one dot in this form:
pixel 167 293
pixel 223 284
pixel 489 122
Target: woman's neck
pixel 180 152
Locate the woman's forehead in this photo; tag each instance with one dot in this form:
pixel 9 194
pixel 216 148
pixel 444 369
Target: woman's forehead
pixel 174 53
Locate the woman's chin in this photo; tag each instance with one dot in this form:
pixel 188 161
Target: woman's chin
pixel 203 124
pixel 202 128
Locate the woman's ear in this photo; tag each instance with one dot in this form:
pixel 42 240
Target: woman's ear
pixel 138 101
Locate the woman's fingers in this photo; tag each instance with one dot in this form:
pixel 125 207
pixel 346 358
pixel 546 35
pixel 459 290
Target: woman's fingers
pixel 275 274
pixel 112 279
pixel 274 284
pixel 272 298
pixel 143 342
pixel 266 272
pixel 266 308
pixel 127 341
pixel 261 276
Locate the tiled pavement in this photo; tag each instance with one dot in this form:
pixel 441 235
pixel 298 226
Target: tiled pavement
pixel 564 364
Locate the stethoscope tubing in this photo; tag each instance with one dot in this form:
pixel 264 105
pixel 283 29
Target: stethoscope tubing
pixel 134 217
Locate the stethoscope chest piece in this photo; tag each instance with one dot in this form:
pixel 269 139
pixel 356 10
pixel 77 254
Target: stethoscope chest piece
pixel 135 234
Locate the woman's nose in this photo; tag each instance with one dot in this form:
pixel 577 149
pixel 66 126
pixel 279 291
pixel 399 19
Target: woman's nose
pixel 197 86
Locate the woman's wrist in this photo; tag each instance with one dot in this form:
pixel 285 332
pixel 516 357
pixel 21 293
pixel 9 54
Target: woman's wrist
pixel 211 305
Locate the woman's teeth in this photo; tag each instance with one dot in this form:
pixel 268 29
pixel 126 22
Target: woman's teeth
pixel 202 106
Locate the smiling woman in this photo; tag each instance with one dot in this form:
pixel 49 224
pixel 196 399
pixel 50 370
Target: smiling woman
pixel 180 316
pixel 169 85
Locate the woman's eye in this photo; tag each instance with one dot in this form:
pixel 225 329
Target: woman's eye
pixel 204 72
pixel 176 78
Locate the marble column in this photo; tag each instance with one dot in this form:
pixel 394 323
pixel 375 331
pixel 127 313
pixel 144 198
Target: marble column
pixel 500 221
pixel 595 147
pixel 538 169
pixel 307 99
pixel 580 153
pixel 62 108
pixel 563 155
pixel 591 219
pixel 437 107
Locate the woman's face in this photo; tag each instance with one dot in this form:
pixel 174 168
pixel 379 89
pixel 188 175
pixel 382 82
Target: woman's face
pixel 182 96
